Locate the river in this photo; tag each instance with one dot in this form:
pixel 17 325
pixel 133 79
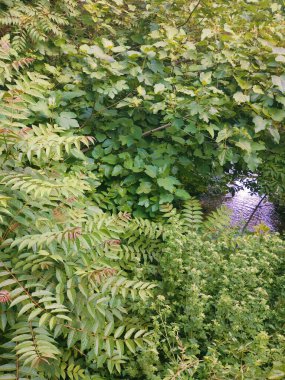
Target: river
pixel 243 204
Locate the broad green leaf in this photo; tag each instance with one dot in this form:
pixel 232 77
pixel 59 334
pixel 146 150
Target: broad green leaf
pixel 277 114
pixel 275 134
pixel 244 84
pixel 67 120
pixel 182 194
pixel 168 183
pixel 144 188
pixel 206 33
pixel 159 88
pixel 240 97
pixel 151 171
pixel 117 170
pixel 224 134
pixel 279 81
pixel 244 144
pixel 206 77
pixel 260 123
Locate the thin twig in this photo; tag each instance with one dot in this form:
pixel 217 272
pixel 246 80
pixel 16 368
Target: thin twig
pixel 156 129
pixel 34 340
pixel 17 368
pixel 8 230
pixel 190 15
pixel 24 289
pixel 147 133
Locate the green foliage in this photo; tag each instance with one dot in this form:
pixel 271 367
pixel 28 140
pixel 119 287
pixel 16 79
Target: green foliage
pixel 67 270
pixel 219 220
pixel 176 105
pixel 218 313
pixel 175 94
pixel 129 106
pixel 272 176
pixel 34 21
pixel 192 214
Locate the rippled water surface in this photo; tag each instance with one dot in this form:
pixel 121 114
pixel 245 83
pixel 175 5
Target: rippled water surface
pixel 242 206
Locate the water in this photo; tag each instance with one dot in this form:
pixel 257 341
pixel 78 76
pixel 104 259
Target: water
pixel 243 204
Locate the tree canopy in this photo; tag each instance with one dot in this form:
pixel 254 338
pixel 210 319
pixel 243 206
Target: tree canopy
pixel 175 93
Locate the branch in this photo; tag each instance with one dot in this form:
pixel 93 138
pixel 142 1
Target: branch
pixel 156 129
pixel 190 15
pixel 22 286
pixel 252 214
pixel 147 133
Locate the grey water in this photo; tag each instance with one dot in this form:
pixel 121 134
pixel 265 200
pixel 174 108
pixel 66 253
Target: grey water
pixel 243 204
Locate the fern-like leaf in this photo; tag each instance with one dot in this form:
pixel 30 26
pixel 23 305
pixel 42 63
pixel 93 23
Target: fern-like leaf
pixel 192 215
pixel 218 220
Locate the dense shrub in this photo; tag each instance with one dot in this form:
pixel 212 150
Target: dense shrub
pixel 218 310
pixel 124 113
pixel 219 313
pixel 68 285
